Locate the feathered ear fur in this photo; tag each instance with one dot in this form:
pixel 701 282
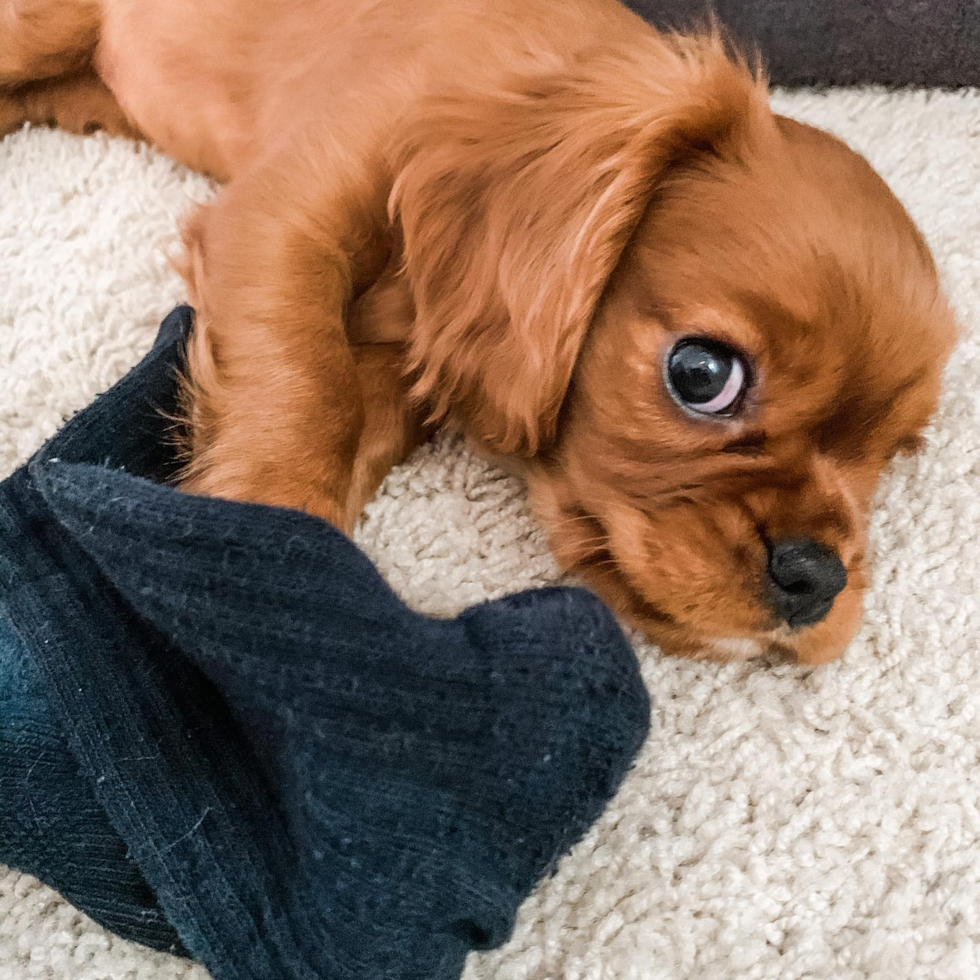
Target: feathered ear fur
pixel 516 205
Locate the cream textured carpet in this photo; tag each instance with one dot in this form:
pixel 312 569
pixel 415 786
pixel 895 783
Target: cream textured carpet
pixel 781 824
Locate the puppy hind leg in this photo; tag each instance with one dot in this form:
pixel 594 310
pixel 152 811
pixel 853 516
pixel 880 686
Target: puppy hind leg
pixel 79 104
pixel 46 38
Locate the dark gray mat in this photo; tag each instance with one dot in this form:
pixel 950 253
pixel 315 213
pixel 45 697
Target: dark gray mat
pixel 896 43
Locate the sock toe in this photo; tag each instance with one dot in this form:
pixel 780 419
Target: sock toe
pixel 581 708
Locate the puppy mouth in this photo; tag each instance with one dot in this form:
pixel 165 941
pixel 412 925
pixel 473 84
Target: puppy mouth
pixel 774 636
pixel 613 580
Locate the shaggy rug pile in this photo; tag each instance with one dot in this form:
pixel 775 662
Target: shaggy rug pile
pixel 781 824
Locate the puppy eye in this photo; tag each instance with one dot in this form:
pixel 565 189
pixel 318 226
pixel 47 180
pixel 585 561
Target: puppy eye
pixel 706 377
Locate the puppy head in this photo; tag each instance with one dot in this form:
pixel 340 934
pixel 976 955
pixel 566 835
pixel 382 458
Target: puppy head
pixel 704 327
pixel 773 334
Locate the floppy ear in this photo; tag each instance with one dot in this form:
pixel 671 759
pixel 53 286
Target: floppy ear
pixel 516 204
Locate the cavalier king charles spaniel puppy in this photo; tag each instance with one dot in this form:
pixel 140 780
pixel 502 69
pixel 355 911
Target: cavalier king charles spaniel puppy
pixel 697 329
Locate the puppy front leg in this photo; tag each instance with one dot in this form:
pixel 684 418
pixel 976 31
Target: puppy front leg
pixel 394 425
pixel 273 404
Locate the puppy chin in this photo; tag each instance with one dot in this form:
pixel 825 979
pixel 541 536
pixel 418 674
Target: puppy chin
pixel 735 648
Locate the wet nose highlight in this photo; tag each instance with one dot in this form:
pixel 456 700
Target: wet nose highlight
pixel 804 578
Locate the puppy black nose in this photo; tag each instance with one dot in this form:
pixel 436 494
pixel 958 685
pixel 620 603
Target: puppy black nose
pixel 805 577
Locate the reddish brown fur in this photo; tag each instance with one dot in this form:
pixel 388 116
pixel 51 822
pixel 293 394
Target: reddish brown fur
pixel 535 200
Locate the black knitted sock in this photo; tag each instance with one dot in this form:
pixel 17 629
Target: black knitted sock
pixel 307 778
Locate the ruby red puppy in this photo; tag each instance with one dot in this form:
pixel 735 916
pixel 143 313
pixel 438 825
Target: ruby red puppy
pixel 697 329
